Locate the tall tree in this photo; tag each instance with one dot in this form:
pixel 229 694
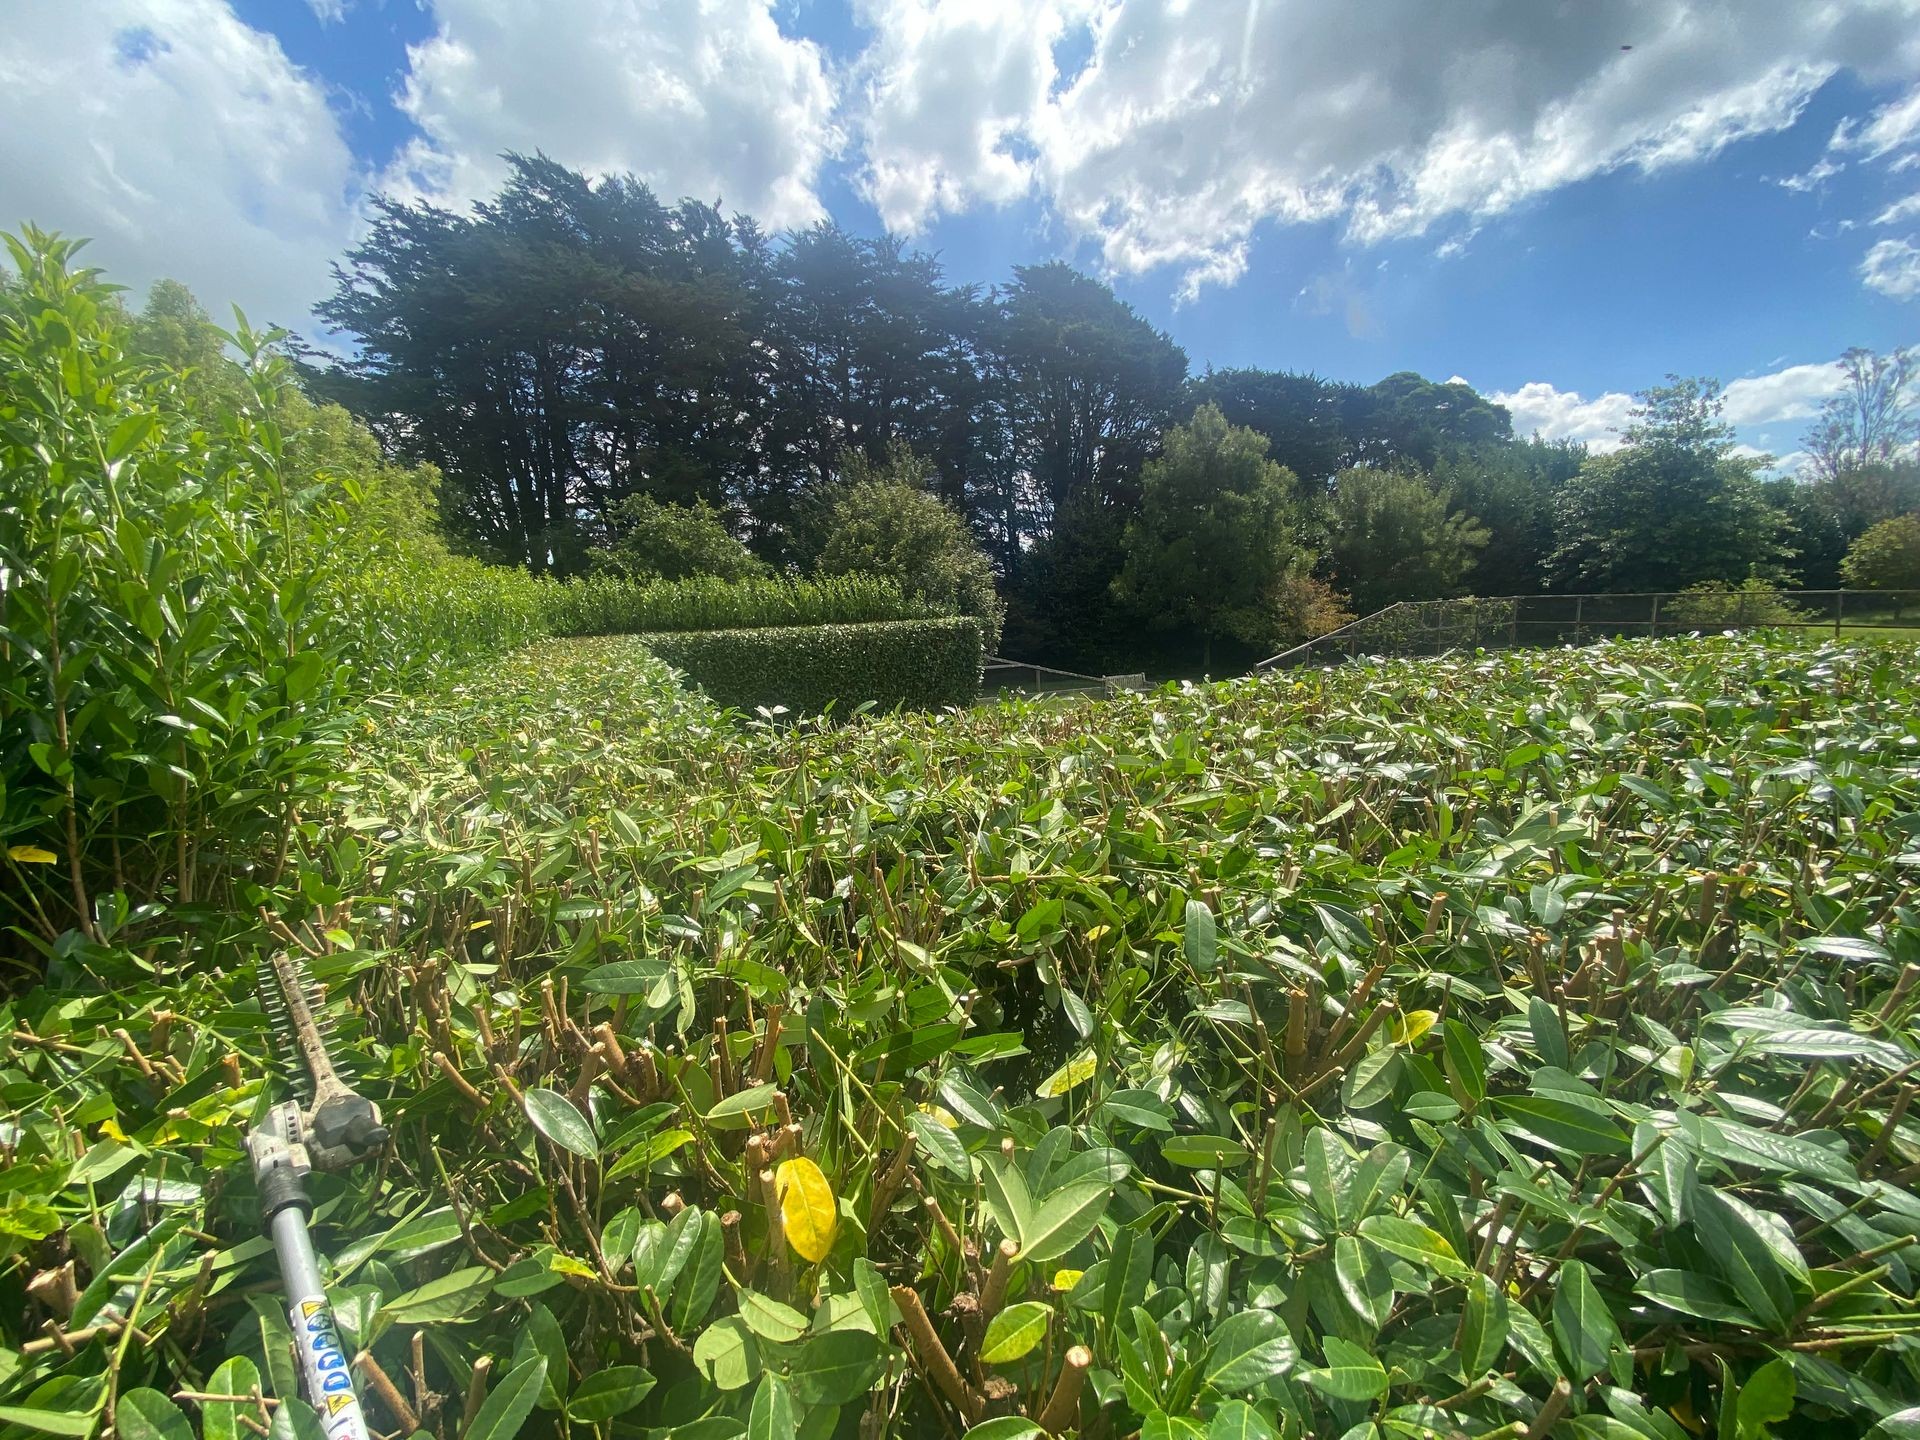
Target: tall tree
pixel 1392 536
pixel 1512 490
pixel 1672 507
pixel 1216 535
pixel 1092 385
pixel 1874 420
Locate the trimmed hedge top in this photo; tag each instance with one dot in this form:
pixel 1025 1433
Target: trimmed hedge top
pixel 920 664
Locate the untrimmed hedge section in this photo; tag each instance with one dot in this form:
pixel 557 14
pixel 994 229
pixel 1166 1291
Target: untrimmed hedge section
pixel 915 663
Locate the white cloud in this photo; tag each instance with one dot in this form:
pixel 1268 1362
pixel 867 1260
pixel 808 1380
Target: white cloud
pixel 702 98
pixel 1191 125
pixel 184 142
pixel 1906 209
pixel 328 12
pixel 1538 408
pixel 989 64
pixel 1825 168
pixel 1893 268
pixel 1794 393
pixel 1891 127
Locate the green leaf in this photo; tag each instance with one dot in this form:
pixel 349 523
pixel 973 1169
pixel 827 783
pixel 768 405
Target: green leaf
pixel 1005 1427
pixel 1560 1125
pixel 294 1419
pixel 1363 1280
pixel 771 1416
pixel 1549 1036
pixel 49 1422
pixel 508 1405
pixel 1349 1374
pixel 1014 1332
pixel 146 1414
pixel 1064 1219
pixel 1237 1420
pixel 769 1319
pixel 1750 1257
pixel 876 1297
pixel 1005 1192
pixel 837 1367
pixel 1583 1328
pixel 699 1278
pixel 1372 1079
pixel 453 1296
pixel 556 1117
pixel 1410 1240
pixel 607 1393
pixel 236 1376
pixel 744 1102
pixel 1766 1398
pixel 1141 1108
pixel 1201 938
pixel 1466 1064
pixel 1483 1326
pixel 727 1354
pixel 1692 1294
pixel 943 1147
pixel 1203 1152
pixel 1247 1350
pixel 624 977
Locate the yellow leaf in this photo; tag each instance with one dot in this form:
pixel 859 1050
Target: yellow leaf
pixel 1409 1028
pixel 942 1115
pixel 110 1130
pixel 1076 1071
pixel 1065 1280
pixel 32 855
pixel 806 1208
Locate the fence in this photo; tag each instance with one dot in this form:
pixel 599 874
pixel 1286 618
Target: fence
pixel 1433 627
pixel 1000 676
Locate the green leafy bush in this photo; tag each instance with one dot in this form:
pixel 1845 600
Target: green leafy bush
pixel 916 663
pixel 602 605
pixel 166 684
pixel 1715 604
pixel 657 540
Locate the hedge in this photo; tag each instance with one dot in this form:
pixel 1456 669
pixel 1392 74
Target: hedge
pixel 604 605
pixel 915 663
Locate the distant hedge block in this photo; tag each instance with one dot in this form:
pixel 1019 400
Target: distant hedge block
pixel 921 664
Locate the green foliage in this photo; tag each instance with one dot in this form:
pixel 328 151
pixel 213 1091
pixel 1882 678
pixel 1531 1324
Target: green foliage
pixel 1217 535
pixel 660 541
pixel 1671 508
pixel 166 686
pixel 1886 557
pixel 1421 1043
pixel 1714 602
pixel 604 606
pixel 881 521
pixel 1392 536
pixel 916 663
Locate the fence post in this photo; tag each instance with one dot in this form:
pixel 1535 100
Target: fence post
pixel 1653 625
pixel 1513 626
pixel 1579 624
pixel 1740 614
pixel 1839 610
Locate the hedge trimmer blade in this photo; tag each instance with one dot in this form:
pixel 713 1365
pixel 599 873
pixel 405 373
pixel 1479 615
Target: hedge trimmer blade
pixel 338 1126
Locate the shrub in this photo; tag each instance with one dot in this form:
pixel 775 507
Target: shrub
pixel 1714 604
pixel 607 606
pixel 656 540
pixel 915 663
pixel 165 683
pixel 1886 557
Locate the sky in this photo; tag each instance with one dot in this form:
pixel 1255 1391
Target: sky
pixel 1559 201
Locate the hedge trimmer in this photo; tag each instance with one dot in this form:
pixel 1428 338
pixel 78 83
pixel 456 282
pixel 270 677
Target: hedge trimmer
pixel 335 1128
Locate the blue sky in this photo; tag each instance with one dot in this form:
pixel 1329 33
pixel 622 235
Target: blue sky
pixel 1558 202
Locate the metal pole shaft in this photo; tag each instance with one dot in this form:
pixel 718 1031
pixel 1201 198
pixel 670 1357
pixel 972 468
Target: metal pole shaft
pixel 324 1369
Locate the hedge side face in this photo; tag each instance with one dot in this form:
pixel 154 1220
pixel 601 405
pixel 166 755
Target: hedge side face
pixel 920 664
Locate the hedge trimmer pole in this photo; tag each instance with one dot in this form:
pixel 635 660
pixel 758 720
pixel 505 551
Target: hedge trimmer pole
pixel 335 1129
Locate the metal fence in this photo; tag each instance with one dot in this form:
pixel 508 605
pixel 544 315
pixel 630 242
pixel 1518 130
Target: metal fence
pixel 1018 677
pixel 1434 627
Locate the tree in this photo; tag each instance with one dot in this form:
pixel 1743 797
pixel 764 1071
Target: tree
pixel 1511 489
pixel 1390 537
pixel 1216 535
pixel 1672 507
pixel 882 519
pixel 1874 420
pixel 656 541
pixel 1887 557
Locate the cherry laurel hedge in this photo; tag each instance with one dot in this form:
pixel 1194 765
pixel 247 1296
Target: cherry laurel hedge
pixel 915 663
